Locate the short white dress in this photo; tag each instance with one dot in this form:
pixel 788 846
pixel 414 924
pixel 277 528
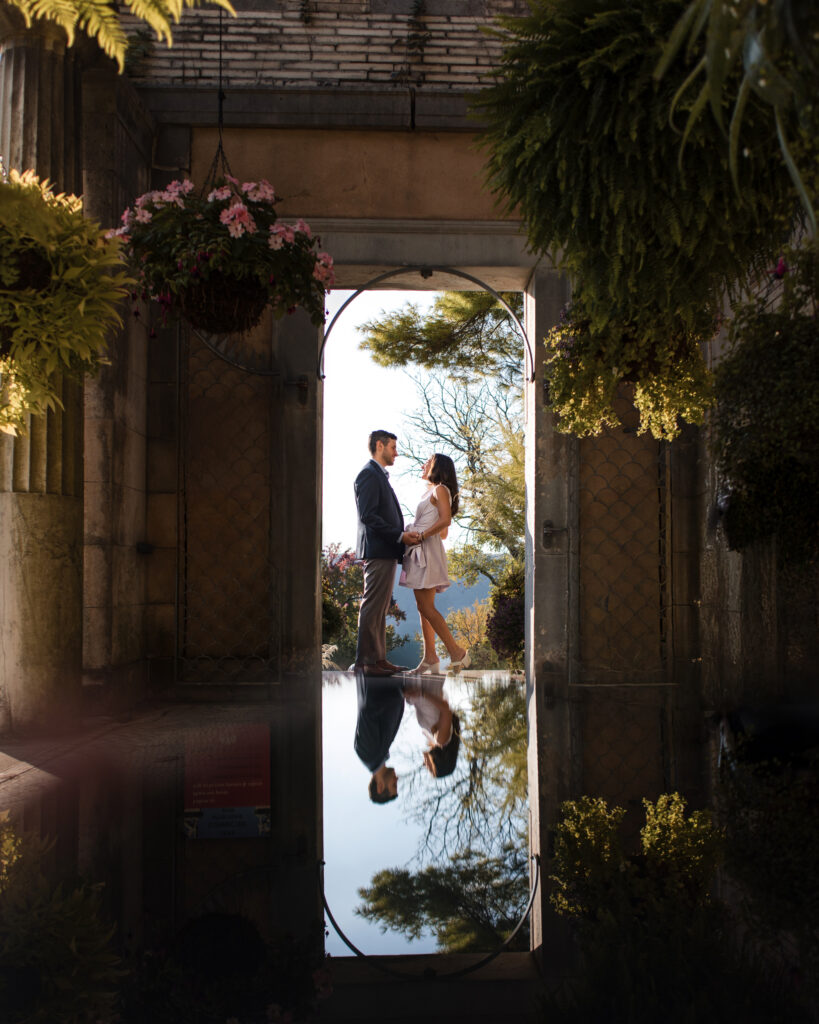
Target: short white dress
pixel 424 565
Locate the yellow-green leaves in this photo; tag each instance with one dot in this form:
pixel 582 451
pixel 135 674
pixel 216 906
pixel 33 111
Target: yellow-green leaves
pixel 99 19
pixel 61 284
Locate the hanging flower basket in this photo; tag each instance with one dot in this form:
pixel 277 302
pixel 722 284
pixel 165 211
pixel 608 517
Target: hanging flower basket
pixel 585 369
pixel 219 258
pixel 223 304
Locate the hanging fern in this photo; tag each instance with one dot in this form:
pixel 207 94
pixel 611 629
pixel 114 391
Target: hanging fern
pixel 580 145
pixel 100 19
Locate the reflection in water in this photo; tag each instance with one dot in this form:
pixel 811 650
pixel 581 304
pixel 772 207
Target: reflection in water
pixel 459 872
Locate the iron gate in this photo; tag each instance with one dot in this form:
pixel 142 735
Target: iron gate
pixel 228 586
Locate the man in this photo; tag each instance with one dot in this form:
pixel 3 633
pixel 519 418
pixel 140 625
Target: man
pixel 380 710
pixel 380 544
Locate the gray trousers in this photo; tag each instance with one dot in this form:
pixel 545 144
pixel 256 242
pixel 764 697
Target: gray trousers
pixel 379 578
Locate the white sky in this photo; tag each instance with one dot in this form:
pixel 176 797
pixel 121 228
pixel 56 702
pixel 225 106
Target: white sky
pixel 359 397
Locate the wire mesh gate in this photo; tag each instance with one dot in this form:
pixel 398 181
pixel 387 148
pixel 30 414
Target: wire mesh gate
pixel 621 707
pixel 228 586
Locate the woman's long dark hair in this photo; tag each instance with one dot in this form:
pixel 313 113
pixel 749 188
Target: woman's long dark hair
pixel 443 472
pixel 445 758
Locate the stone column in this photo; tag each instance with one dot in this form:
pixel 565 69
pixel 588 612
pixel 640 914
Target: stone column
pixel 551 545
pixel 40 473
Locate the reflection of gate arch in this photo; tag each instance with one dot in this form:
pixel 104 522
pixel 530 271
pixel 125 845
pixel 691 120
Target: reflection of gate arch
pixel 427 272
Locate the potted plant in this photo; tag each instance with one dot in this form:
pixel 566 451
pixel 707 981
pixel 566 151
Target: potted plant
pixel 61 283
pixel 586 369
pixel 219 257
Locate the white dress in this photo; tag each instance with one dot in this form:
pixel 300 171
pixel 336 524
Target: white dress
pixel 424 565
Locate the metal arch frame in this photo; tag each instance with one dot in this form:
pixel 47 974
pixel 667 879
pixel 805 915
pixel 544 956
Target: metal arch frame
pixel 425 272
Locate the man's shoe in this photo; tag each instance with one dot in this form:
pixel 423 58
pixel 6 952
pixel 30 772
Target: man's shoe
pixel 383 663
pixel 374 670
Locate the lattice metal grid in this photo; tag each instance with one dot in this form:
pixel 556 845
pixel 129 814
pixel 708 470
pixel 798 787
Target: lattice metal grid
pixel 622 527
pixel 622 745
pixel 228 597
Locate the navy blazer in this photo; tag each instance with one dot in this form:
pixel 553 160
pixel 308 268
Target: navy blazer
pixel 380 710
pixel 380 520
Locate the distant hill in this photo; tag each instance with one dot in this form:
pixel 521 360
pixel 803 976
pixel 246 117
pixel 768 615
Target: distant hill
pixel 457 596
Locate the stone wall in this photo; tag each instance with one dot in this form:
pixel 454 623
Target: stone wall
pixel 322 44
pixel 117 142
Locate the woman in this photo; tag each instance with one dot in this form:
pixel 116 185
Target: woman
pixel 424 566
pixel 439 724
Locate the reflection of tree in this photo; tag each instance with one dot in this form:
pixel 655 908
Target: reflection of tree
pixel 483 804
pixel 472 904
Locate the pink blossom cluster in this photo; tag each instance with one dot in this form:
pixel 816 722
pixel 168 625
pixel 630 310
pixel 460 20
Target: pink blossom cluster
pixel 259 191
pixel 281 233
pixel 323 270
pixel 238 220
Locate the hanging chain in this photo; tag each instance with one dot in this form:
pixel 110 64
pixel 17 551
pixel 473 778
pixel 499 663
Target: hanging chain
pixel 220 167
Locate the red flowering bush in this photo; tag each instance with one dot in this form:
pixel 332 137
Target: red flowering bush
pixel 220 258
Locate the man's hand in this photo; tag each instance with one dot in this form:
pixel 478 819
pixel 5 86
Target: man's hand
pixel 411 537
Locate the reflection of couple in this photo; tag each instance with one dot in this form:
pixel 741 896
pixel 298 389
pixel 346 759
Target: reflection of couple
pixel 380 710
pixel 382 540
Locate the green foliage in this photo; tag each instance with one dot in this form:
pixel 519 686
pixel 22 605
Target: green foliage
pixel 507 623
pixel 342 585
pixel 468 626
pixel 467 334
pixel 579 144
pixel 472 903
pixel 61 284
pixel 653 944
pixel 56 963
pixel 765 428
pixel 766 50
pixel 587 371
pixel 183 244
pixel 100 20
pixel 593 877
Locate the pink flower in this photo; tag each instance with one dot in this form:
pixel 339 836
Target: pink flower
pixel 238 220
pixel 275 241
pixel 780 269
pixel 219 193
pixel 259 191
pixel 303 227
pixel 118 233
pixel 323 270
pixel 285 231
pixel 231 179
pixel 144 216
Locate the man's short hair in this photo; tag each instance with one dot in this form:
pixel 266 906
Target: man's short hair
pixel 380 435
pixel 383 797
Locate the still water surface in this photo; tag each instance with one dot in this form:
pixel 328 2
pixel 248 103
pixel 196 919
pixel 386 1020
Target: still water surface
pixel 471 823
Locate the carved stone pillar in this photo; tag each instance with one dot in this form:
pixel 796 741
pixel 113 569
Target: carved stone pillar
pixel 41 473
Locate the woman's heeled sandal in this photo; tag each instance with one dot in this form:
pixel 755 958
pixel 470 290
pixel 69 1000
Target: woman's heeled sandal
pixel 426 668
pixel 465 662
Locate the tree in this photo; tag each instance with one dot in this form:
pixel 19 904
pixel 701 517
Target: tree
pixel 466 334
pixel 472 904
pixel 482 805
pixel 468 626
pixel 100 19
pixel 342 584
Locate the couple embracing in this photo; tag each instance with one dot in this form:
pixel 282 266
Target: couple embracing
pixel 382 541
